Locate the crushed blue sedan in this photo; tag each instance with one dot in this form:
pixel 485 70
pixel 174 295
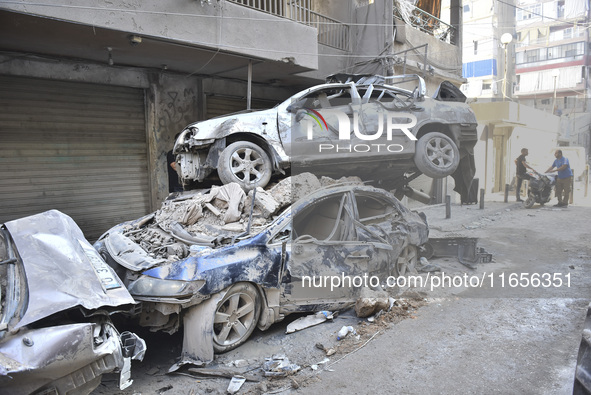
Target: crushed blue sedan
pixel 220 262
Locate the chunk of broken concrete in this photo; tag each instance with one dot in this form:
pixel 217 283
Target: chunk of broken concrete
pixel 213 209
pixel 264 201
pixel 233 227
pixel 370 302
pixel 293 188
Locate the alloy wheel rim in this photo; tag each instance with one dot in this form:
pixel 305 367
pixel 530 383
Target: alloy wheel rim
pixel 440 152
pixel 247 165
pixel 233 319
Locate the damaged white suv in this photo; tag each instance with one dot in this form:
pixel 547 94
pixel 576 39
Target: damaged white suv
pixel 359 125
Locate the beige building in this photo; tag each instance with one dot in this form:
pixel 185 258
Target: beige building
pixel 504 129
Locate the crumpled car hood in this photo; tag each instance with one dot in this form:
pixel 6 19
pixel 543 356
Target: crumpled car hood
pixel 222 126
pixel 61 267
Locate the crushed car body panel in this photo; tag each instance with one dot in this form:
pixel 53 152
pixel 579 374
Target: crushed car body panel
pixel 39 359
pixel 56 334
pixel 52 247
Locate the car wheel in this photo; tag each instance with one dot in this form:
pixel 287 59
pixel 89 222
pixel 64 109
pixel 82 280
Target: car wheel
pixel 236 316
pixel 407 260
pixel 246 164
pixel 436 155
pixel 529 202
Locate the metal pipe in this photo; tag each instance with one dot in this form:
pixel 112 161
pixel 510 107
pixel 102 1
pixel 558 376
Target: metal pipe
pixel 249 85
pixel 482 198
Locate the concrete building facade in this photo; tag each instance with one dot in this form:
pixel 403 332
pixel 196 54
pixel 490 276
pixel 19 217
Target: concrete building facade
pixel 93 93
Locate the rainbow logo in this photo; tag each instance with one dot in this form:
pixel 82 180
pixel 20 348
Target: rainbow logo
pixel 317 117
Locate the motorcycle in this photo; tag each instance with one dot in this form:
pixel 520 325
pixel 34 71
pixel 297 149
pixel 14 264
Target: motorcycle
pixel 540 188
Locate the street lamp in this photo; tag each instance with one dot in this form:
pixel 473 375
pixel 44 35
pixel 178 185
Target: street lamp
pixel 555 74
pixel 505 40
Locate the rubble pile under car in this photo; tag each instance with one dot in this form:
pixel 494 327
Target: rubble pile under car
pixel 215 217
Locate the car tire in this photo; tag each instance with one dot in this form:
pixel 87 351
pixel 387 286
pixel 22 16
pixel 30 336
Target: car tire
pixel 407 260
pixel 436 155
pixel 529 202
pixel 245 163
pixel 236 316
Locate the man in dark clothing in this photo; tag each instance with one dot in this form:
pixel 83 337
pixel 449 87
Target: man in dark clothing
pixel 173 178
pixel 521 172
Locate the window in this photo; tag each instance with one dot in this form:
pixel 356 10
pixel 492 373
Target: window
pixel 467 8
pixel 529 12
pixel 486 87
pixel 370 208
pixel 532 56
pixel 327 220
pixel 557 52
pixel 475 47
pixel 560 9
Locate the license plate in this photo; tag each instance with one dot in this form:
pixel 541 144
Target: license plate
pixel 103 271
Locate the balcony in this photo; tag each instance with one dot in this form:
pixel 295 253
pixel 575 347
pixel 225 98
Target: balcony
pixel 331 32
pixel 423 21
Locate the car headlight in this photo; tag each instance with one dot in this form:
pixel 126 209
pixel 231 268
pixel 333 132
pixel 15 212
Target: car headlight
pixel 151 286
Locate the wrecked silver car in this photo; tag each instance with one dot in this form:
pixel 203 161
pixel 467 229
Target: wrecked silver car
pixel 354 125
pixel 57 294
pixel 222 262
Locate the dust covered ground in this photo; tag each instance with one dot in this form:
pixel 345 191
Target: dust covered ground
pixel 462 338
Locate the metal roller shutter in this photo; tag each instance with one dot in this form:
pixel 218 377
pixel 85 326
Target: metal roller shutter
pixel 223 105
pixel 75 147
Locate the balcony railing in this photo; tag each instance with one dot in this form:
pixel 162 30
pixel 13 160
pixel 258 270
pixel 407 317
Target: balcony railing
pixel 331 32
pixel 423 21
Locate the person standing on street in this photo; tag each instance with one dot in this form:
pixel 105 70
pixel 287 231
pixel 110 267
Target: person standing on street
pixel 521 173
pixel 563 180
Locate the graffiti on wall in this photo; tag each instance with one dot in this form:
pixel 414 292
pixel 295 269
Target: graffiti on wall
pixel 177 110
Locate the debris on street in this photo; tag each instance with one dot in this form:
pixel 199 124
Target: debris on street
pixel 308 321
pixel 279 366
pixel 425 267
pixel 344 331
pixel 370 302
pixel 235 384
pixel 464 248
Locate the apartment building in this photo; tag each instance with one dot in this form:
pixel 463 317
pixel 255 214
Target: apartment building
pixel 487 59
pixel 551 54
pixel 552 63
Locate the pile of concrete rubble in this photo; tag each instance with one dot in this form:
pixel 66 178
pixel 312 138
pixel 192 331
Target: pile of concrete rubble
pixel 212 217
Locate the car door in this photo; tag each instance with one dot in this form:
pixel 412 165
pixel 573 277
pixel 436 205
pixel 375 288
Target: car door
pixel 327 263
pixel 310 126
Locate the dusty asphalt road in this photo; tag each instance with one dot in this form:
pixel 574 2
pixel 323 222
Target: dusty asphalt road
pixel 489 339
